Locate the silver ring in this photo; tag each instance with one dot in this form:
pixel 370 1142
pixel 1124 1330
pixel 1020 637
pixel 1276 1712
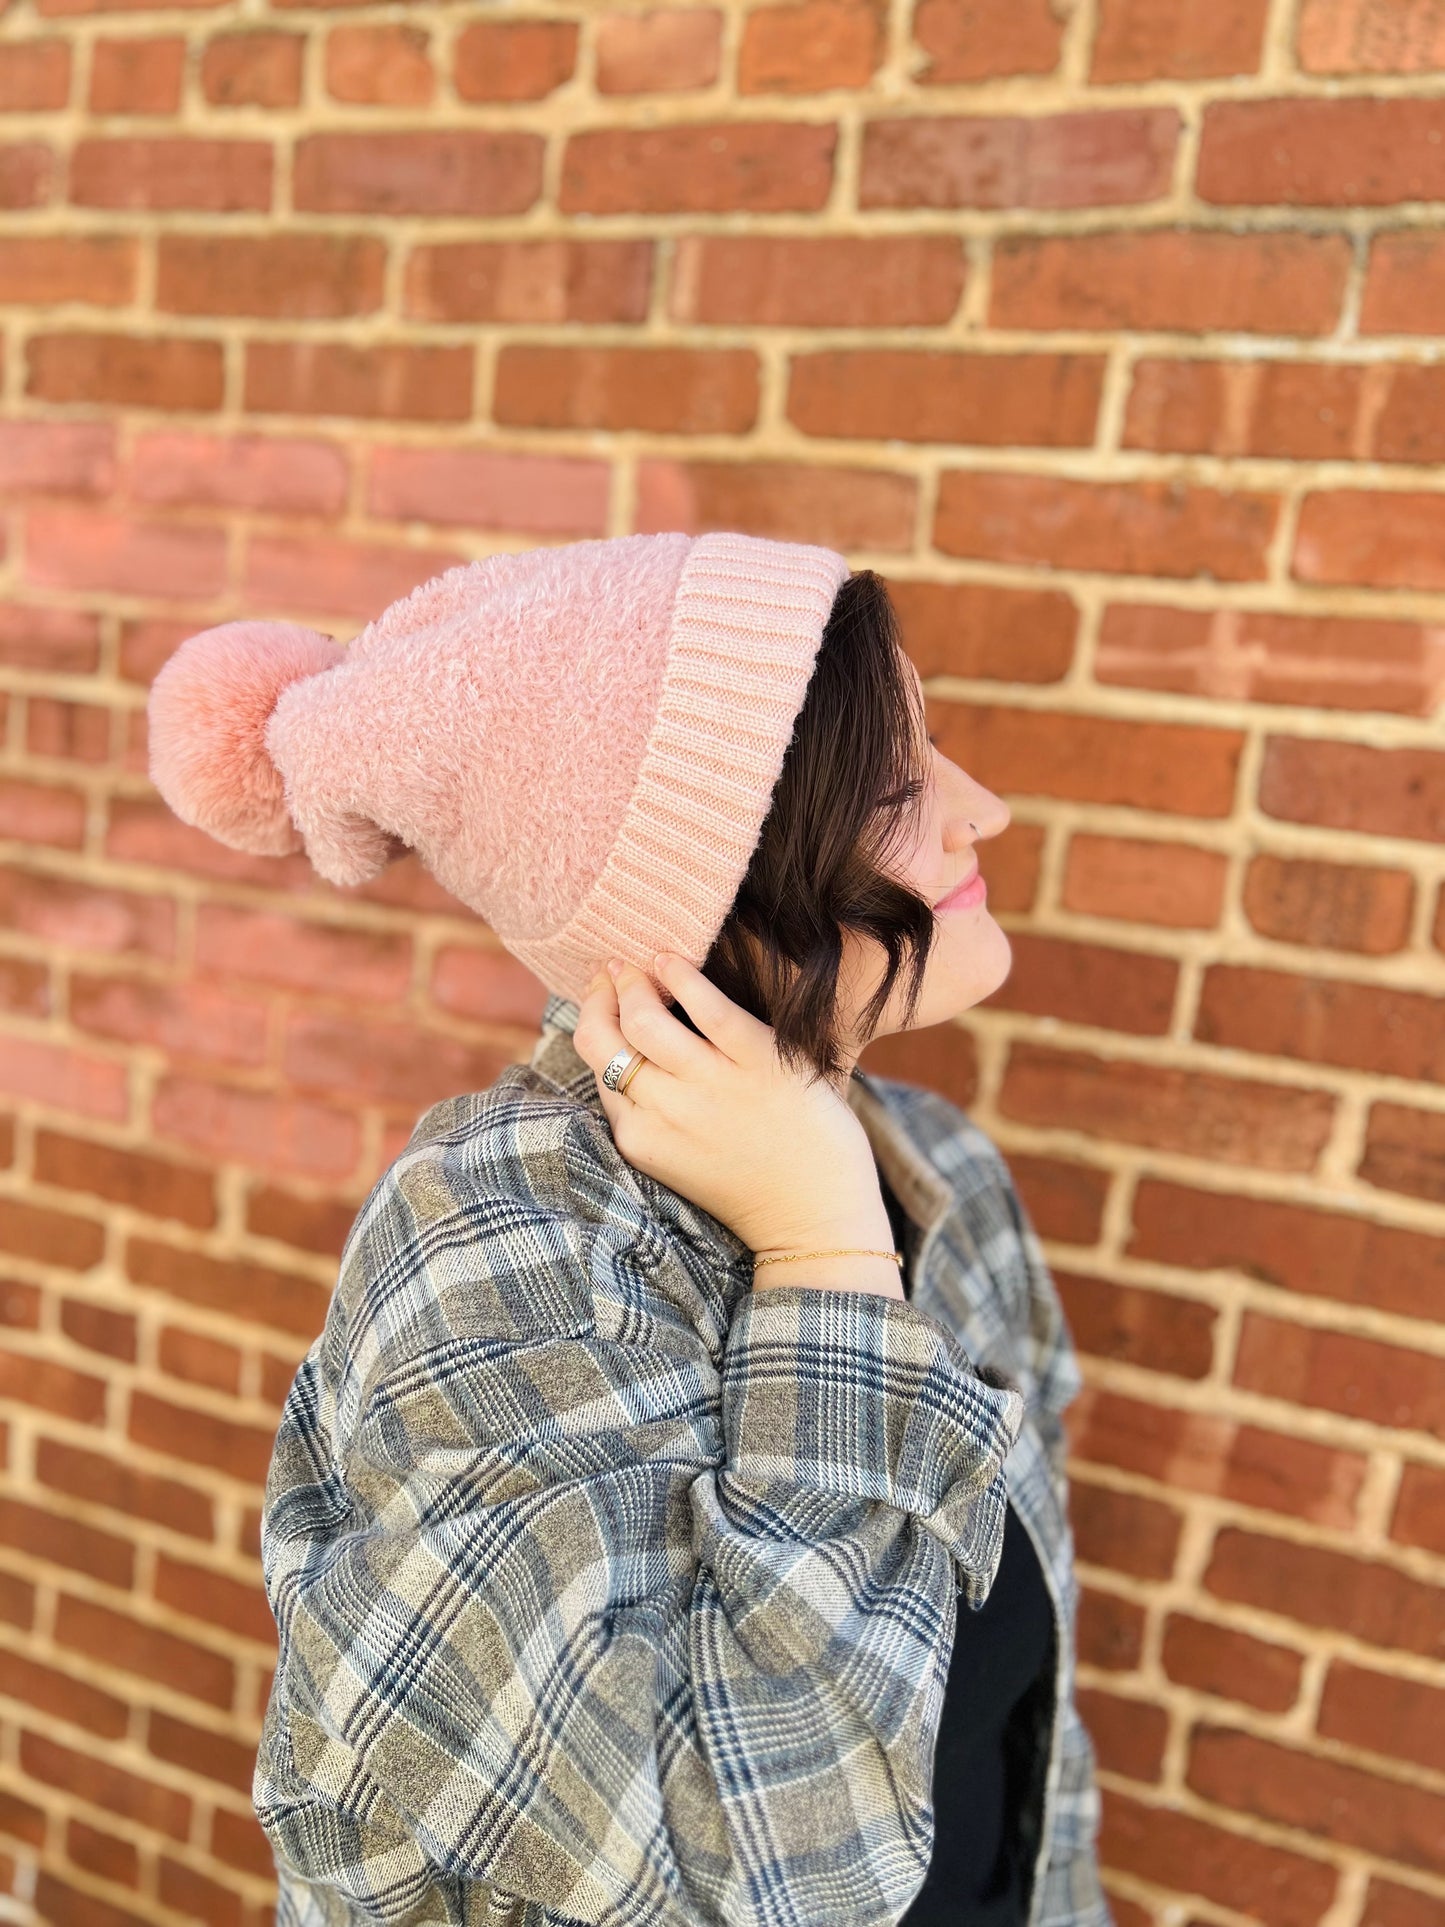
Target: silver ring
pixel 616 1065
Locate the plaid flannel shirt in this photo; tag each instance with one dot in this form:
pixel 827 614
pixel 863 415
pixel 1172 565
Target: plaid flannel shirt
pixel 610 1591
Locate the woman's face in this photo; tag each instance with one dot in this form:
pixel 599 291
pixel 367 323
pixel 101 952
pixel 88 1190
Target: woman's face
pixel 970 956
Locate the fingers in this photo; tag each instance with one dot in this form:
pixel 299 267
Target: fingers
pixel 598 1038
pixel 648 1025
pixel 726 1025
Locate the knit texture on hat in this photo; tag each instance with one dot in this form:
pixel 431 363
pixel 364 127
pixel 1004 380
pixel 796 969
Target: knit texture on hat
pixel 581 743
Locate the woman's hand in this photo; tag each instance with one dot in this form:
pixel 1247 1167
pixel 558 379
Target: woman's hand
pixel 782 1162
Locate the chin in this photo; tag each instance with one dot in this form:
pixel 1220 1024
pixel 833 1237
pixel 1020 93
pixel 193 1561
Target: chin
pixel 984 960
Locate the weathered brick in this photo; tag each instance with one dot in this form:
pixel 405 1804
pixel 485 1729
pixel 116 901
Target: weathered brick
pixel 1039 401
pixel 1124 1530
pixel 1064 1199
pixel 1329 906
pixel 513 59
pixel 137 76
pixel 1110 1630
pixel 101 1853
pixel 133 1646
pixel 1160 1331
pixel 490 489
pixel 199 1360
pixel 173 172
pixel 1323 1020
pixel 980 629
pixel 1317 1586
pixel 1419 1518
pixel 815 280
pixel 841 506
pixel 64 1697
pixel 253 68
pixel 109 1482
pixel 1405 1151
pixel 1128 1734
pixel 215 1598
pixel 1228 1120
pixel 1183 1853
pixel 315 276
pixel 200 1437
pixel 1171 278
pixel 154 1185
pixel 669 391
pixel 459 171
pixel 1086 983
pixel 1011 866
pixel 1343 1372
pixel 562 279
pixel 379 64
pixel 1140 881
pixel 1177 39
pixel 1350 786
pixel 86 1775
pixel 1382 1713
pixel 1370 37
pixel 66 1905
pixel 123 371
pixel 1393 539
pixel 665 50
pixel 1129 528
pixel 52 1387
pixel 1404 283
pixel 1231 1664
pixel 1388 1904
pixel 755 166
pixel 99 1328
pixel 1025 38
pixel 393 381
pixel 200 1752
pixel 1121 157
pixel 807 46
pixel 1351 152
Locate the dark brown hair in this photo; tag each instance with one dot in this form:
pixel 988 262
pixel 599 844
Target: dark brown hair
pixel 853 778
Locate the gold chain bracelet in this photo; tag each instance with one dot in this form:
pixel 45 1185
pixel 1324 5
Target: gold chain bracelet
pixel 843 1251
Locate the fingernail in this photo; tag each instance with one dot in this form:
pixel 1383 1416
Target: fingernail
pixel 660 961
pixel 614 964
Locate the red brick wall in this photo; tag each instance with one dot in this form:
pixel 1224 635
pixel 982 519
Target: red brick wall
pixel 1108 334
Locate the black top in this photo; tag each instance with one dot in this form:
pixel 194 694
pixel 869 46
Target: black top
pixel 986 1759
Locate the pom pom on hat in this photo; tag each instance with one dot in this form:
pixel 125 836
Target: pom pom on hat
pixel 208 710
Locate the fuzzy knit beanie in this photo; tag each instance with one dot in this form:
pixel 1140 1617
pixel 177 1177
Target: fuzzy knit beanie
pixel 581 743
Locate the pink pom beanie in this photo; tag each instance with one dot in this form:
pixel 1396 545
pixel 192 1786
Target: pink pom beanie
pixel 581 743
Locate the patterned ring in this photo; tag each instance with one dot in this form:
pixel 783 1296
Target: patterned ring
pixel 617 1064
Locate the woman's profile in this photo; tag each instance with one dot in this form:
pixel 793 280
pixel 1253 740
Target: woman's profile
pixel 669 1524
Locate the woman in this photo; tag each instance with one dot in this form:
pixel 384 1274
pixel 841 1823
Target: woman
pixel 669 1523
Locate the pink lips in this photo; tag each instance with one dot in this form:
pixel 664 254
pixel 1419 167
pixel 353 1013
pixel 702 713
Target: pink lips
pixel 965 895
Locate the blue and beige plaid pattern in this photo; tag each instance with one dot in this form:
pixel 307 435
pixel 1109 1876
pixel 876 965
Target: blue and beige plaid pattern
pixel 609 1591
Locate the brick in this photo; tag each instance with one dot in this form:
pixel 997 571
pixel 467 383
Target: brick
pixel 64 641
pixel 63 1905
pixel 1388 540
pixel 99 1328
pixel 1317 1586
pixel 215 1598
pixel 21 1821
pixel 453 171
pixel 172 173
pixel 397 1063
pixel 17 1608
pixel 314 276
pixel 844 507
pixel 1387 1904
pixel 1065 1200
pixel 1353 152
pixel 78 547
pixel 157 1186
pixel 131 1646
pixel 1329 906
pixel 1011 866
pixel 1124 1530
pixel 1336 1255
pixel 980 629
pixel 1128 1734
pixel 279 474
pixel 755 166
pixel 253 68
pixel 1347 786
pixel 1195 1451
pixel 1332 1371
pixel 52 1388
pixel 1185 1854
pixel 35 75
pixel 277 1375
pixel 1110 1631
pixel 818 280
pixel 372 966
pixel 78 732
pixel 379 65
pixel 19 1305
pixel 25 987
pixel 137 76
pixel 1408 426
pixel 564 279
pixel 309 1224
pixel 1419 1518
pixel 286 1301
pixel 475 488
pixel 42 813
pixel 1225 1119
pixel 50 1237
pixel 58 459
pixel 239 1842
pixel 997 400
pixel 102 1854
pixel 1180 770
pixel 64 1697
pixel 680 391
pixel 514 59
pixel 196 1895
pixel 1404 283
pixel 332 577
pixel 1085 983
pixel 199 1360
pixel 189 1019
pixel 1381 1713
pixel 63 1541
pixel 200 1437
pixel 1124 157
pixel 1370 37
pixel 1177 39
pixel 389 382
pixel 1186 279
pixel 1230 1664
pixel 962 42
pixel 1405 1151
pixel 1326 1797
pixel 111 1483
pixel 199 1752
pixel 1296 410
pixel 1135 1325
pixel 256 1129
pixel 1144 881
pixel 1321 1020
pixel 665 50
pixel 1128 528
pixel 810 46
pixel 947 1059
pixel 88 1776
pixel 121 371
